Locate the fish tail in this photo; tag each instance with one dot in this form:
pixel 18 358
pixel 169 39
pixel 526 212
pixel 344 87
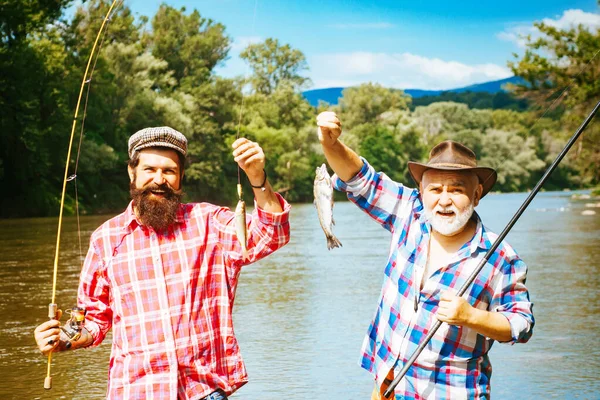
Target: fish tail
pixel 332 242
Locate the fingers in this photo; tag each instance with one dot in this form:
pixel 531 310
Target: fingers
pixel 327 124
pixel 240 141
pixel 328 116
pixel 254 159
pixel 246 150
pixel 329 127
pixel 447 296
pixel 47 336
pixel 53 323
pixel 249 156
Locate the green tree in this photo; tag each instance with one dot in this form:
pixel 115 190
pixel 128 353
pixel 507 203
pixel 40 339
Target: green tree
pixel 191 45
pixel 560 71
pixel 513 158
pixel 33 102
pixel 281 108
pixel 19 20
pixel 365 103
pixel 273 64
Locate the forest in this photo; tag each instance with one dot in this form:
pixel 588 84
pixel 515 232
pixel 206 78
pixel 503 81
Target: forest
pixel 160 70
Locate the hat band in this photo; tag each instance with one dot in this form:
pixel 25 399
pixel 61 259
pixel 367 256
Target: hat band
pixel 451 165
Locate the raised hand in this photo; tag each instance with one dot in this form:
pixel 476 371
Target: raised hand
pixel 251 158
pixel 329 128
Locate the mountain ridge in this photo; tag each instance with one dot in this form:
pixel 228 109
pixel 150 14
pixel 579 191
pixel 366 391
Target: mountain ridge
pixel 332 95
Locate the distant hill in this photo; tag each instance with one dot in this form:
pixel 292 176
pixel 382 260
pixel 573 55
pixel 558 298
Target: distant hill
pixel 332 95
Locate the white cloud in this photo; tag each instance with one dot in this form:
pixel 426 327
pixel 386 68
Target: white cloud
pixel 373 25
pixel 573 18
pixel 399 70
pixel 569 19
pixel 240 43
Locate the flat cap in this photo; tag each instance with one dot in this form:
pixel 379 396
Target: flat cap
pixel 162 136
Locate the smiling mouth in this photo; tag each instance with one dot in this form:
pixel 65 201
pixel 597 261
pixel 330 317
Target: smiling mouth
pixel 447 214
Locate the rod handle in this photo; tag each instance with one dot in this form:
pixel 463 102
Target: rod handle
pixel 48 383
pixel 52 314
pixel 52 310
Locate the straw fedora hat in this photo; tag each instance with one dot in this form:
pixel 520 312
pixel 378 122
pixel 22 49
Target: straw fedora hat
pixel 453 156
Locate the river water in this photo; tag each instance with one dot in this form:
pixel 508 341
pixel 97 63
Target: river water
pixel 301 314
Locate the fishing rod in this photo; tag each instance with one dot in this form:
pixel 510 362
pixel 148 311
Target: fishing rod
pixel 492 249
pixel 53 307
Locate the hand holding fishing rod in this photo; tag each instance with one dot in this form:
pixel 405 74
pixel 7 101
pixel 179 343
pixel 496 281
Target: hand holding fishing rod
pixel 492 249
pixel 53 336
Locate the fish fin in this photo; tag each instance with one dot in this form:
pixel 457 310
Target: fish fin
pixel 332 242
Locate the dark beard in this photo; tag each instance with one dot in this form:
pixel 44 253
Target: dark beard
pixel 158 213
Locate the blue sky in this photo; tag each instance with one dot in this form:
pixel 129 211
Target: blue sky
pixel 404 44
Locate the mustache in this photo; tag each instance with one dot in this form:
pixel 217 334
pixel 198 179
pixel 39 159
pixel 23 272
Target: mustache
pixel 169 192
pixel 446 209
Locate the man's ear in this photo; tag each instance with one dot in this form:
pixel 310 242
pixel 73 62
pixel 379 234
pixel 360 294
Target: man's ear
pixel 478 192
pixel 130 172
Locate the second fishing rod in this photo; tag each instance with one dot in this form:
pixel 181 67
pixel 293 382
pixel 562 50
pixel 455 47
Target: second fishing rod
pixel 493 248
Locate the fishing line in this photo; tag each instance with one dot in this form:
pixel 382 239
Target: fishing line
pixel 244 82
pixel 558 99
pixel 492 249
pixel 52 307
pixel 81 133
pixel 506 230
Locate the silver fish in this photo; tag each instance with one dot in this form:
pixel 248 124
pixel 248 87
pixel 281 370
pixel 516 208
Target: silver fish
pixel 323 191
pixel 241 229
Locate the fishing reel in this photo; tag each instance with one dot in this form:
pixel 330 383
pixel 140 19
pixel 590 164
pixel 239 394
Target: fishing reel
pixel 72 328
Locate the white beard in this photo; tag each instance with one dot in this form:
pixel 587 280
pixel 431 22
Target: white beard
pixel 449 226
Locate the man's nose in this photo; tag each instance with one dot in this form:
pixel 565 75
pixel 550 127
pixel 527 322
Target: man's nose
pixel 159 178
pixel 445 199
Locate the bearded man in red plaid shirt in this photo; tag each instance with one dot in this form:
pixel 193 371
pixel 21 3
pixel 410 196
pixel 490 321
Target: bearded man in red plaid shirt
pixel 163 276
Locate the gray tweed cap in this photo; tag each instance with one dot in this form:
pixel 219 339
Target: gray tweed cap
pixel 162 136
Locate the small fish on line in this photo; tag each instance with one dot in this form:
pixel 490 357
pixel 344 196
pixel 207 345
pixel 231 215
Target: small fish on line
pixel 323 192
pixel 241 229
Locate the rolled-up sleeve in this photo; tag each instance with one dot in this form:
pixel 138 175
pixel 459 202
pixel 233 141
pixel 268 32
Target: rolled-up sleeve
pixel 267 232
pixel 511 299
pixel 379 196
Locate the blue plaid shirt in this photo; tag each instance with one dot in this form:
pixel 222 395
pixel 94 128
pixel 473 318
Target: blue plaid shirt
pixel 455 363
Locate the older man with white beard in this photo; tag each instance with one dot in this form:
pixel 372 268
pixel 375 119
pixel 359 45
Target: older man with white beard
pixel 437 241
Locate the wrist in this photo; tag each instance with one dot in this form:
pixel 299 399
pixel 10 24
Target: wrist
pixel 331 143
pixel 259 181
pixel 473 317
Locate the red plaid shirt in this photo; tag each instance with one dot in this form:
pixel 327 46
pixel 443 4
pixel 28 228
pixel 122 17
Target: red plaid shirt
pixel 169 296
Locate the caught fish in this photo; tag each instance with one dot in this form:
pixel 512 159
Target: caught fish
pixel 241 229
pixel 323 191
